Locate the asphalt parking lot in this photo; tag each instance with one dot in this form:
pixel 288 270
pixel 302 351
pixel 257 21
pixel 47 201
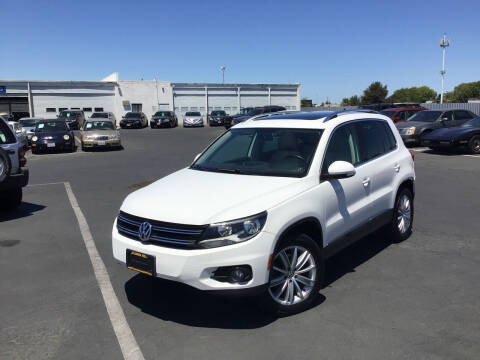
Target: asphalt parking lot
pixel 418 299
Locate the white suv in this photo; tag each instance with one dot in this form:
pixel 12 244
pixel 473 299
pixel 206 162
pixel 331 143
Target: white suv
pixel 267 202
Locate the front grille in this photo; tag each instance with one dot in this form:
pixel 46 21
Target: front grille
pixel 164 234
pixel 102 137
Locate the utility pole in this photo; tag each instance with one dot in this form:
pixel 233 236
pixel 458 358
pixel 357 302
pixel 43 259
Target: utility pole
pixel 223 68
pixel 444 43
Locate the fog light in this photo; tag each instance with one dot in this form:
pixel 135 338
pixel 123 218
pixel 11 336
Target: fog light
pixel 233 274
pixel 238 275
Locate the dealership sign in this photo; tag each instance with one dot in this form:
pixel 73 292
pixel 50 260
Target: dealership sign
pixel 3 90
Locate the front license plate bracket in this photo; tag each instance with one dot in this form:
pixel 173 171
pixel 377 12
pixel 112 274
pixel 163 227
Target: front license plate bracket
pixel 140 262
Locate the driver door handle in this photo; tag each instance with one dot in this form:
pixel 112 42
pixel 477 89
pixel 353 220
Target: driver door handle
pixel 366 182
pixel 396 167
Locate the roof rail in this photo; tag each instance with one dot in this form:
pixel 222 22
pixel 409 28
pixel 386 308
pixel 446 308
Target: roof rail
pixel 343 112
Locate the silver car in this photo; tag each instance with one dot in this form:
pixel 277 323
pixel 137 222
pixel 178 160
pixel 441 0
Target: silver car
pixel 19 133
pixel 192 118
pixel 28 124
pixel 100 134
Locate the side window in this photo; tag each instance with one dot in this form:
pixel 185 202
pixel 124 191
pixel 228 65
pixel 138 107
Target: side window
pixel 342 147
pixel 372 140
pixel 462 115
pixel 391 141
pixel 448 116
pixel 6 135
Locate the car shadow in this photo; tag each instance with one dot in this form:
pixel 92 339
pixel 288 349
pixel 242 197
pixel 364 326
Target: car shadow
pixel 24 210
pixel 180 303
pixel 347 260
pixel 447 152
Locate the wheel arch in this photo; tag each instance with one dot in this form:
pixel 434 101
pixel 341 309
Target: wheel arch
pixel 408 183
pixel 310 226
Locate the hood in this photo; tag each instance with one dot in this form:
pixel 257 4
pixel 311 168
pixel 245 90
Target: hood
pixel 450 133
pixel 197 197
pixel 417 124
pixel 193 118
pixel 100 133
pixel 132 119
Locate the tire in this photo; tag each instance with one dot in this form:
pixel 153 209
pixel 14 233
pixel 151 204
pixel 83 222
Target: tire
pixel 11 198
pixel 399 232
pixel 474 144
pixel 422 136
pixel 285 286
pixel 5 165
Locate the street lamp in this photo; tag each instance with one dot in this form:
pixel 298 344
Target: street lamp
pixel 444 43
pixel 223 68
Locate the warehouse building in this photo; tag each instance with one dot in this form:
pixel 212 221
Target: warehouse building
pixel 48 98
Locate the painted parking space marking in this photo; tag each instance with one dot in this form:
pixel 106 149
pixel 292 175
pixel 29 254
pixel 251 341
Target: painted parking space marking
pixel 128 344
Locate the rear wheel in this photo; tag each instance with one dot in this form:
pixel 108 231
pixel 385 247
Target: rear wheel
pixel 474 144
pixel 296 275
pixel 401 225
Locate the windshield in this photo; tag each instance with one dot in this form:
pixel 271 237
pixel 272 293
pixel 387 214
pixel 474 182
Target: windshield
pixel 218 113
pixel 163 113
pixel 472 123
pixel 99 115
pixel 192 113
pixel 99 125
pixel 68 114
pixel 387 113
pixel 261 151
pixel 132 115
pixel 28 122
pixel 51 126
pixel 254 112
pixel 425 116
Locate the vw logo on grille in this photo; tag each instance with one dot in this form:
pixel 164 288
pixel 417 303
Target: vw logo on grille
pixel 145 231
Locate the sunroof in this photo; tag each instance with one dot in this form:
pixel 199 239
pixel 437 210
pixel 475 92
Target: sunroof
pixel 314 115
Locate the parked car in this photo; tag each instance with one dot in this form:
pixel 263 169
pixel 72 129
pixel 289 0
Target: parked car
pixel 53 134
pixel 29 124
pixel 253 112
pixel 466 136
pixel 19 132
pixel 423 122
pixel 164 119
pixel 192 118
pixel 401 114
pixel 73 118
pixel 218 117
pixel 13 174
pixel 384 106
pixel 304 187
pixel 100 134
pixel 134 120
pixel 104 115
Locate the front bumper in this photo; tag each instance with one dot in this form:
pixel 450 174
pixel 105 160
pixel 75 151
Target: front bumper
pixel 446 144
pixel 101 143
pixel 161 122
pixel 197 124
pixel 16 180
pixel 43 146
pixel 195 267
pixel 410 139
pixel 130 124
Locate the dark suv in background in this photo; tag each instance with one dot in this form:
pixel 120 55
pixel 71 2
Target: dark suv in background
pixel 74 118
pixel 423 122
pixel 218 117
pixel 253 112
pixel 164 119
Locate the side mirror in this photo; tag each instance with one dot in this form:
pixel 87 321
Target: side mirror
pixel 196 157
pixel 339 170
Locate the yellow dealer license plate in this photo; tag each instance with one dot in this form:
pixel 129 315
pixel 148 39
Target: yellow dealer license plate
pixel 140 262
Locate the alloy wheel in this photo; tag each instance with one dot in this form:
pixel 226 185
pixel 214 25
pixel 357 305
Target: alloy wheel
pixel 2 166
pixel 404 214
pixel 293 275
pixel 476 145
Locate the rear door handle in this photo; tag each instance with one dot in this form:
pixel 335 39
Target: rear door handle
pixel 366 182
pixel 396 167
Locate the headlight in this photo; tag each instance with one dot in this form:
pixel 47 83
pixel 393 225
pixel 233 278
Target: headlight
pixel 66 137
pixel 233 232
pixel 410 131
pixel 34 138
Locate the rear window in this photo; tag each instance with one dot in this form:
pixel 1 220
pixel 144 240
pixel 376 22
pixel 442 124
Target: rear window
pixel 192 113
pixel 133 115
pixel 163 113
pixel 218 113
pixel 6 134
pixel 69 114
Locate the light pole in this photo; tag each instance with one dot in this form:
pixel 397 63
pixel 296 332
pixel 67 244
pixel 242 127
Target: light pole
pixel 223 68
pixel 444 42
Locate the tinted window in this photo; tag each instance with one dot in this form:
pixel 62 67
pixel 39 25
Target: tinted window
pixel 448 116
pixel 425 116
pixel 372 139
pixel 69 114
pixel 342 147
pixel 388 113
pixel 28 122
pixel 99 115
pixel 193 113
pixel 219 113
pixel 462 115
pixel 51 126
pixel 472 123
pixel 391 141
pixel 133 115
pixel 163 113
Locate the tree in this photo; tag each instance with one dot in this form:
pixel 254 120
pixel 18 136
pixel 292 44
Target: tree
pixel 413 94
pixel 465 91
pixel 354 100
pixel 375 93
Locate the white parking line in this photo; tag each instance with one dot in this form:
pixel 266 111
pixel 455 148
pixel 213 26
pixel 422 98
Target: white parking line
pixel 128 344
pixel 52 183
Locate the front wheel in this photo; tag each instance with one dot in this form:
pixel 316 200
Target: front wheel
pixel 402 221
pixel 474 144
pixel 296 275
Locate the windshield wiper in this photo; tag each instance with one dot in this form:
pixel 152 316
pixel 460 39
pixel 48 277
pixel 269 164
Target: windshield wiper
pixel 233 171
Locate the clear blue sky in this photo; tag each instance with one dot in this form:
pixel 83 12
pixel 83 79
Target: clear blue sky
pixel 334 49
